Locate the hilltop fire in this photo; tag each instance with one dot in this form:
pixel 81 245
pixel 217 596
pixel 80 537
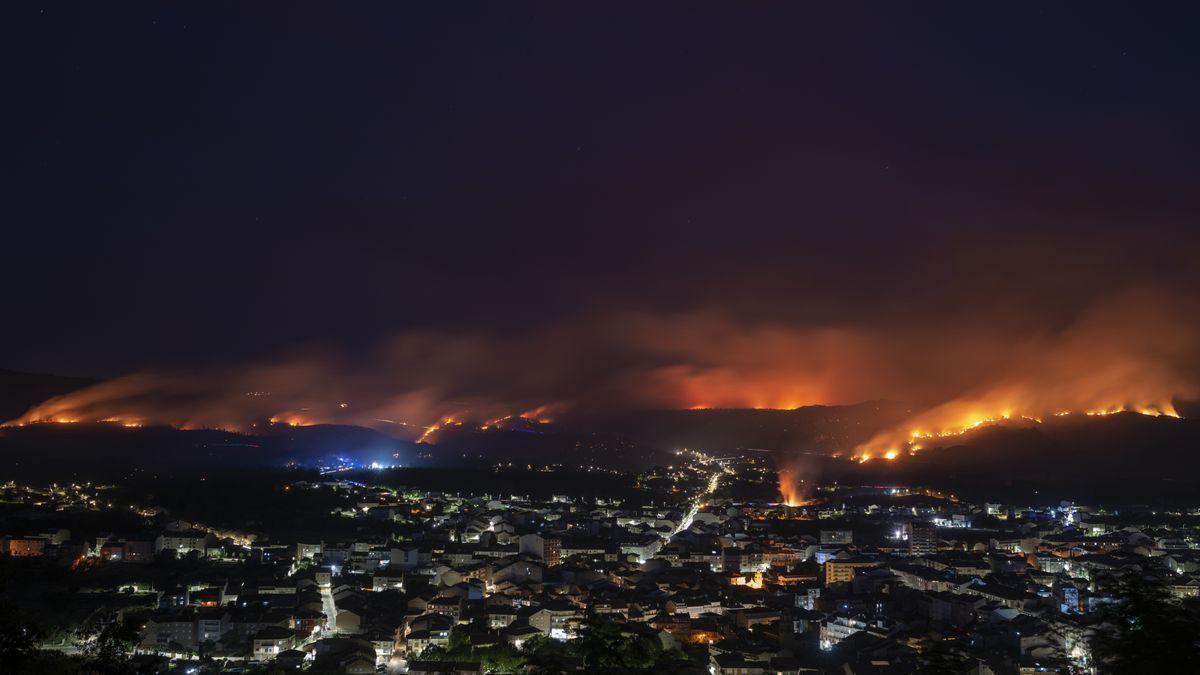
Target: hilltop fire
pixel 291 420
pixel 943 422
pixel 436 427
pixel 1134 351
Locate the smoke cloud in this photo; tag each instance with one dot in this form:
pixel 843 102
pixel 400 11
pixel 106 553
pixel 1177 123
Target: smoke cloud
pixel 1135 350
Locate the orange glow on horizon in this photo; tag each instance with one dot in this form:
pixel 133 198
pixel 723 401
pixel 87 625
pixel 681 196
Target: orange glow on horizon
pixel 291 420
pixel 947 421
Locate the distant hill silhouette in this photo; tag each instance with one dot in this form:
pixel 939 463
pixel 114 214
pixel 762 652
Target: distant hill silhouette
pixel 108 451
pixel 815 427
pixel 1119 457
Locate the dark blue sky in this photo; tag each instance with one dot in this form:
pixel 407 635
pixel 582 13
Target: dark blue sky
pixel 211 180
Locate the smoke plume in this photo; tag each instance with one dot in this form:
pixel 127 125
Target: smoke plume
pixel 1136 350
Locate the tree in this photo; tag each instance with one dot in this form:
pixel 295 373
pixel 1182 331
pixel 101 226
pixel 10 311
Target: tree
pixel 109 651
pixel 51 663
pixel 457 648
pixel 543 654
pixel 1146 631
pixel 501 658
pixel 602 645
pixel 18 638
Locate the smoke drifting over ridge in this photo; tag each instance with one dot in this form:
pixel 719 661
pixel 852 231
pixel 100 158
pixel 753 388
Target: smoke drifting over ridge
pixel 1136 354
pixel 1135 351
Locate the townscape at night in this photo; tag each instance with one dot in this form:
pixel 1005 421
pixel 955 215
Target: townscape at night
pixel 686 567
pixel 722 562
pixel 695 338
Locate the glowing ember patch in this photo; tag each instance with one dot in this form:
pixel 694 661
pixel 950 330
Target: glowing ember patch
pixel 436 427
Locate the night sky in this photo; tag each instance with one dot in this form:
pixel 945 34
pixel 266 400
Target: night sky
pixel 202 183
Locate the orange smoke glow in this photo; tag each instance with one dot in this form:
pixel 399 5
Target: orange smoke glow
pixel 533 416
pixel 291 419
pixel 1135 351
pixel 792 487
pixel 945 422
pixel 126 422
pixel 1134 355
pixel 539 414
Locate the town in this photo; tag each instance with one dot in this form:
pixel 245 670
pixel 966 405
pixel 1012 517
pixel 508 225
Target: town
pixel 693 567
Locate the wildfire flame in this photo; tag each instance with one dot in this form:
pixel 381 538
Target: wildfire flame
pixel 291 419
pixel 304 418
pixel 948 421
pixel 533 416
pixel 791 486
pixel 129 423
pixel 436 427
pixel 1131 351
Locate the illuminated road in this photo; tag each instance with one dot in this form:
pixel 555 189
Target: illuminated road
pixel 713 481
pixel 330 610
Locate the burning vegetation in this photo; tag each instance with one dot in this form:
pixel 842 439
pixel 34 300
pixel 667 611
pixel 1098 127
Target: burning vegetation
pixel 1134 352
pixel 894 443
pixel 792 487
